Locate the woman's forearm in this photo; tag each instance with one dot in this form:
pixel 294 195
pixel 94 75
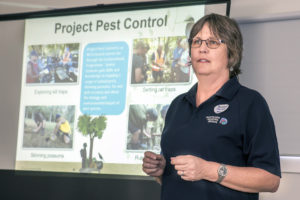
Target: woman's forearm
pixel 245 179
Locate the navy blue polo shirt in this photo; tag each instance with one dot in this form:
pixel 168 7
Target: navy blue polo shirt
pixel 234 127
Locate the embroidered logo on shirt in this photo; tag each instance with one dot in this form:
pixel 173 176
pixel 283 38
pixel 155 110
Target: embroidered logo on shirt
pixel 220 108
pixel 223 121
pixel 212 119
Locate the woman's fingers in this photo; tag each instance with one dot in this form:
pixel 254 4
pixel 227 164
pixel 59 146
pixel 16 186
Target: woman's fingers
pixel 149 165
pixel 151 155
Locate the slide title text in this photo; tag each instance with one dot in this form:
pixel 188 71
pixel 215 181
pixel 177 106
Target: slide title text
pixel 100 25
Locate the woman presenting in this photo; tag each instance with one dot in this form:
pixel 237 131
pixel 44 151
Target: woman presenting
pixel 219 139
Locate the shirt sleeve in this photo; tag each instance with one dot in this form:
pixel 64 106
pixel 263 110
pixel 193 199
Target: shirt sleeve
pixel 260 141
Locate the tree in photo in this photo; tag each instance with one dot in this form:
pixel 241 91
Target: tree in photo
pixel 92 127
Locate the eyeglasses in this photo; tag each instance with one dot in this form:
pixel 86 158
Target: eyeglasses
pixel 210 43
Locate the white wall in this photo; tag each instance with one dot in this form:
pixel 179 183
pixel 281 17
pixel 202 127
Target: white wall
pixel 260 10
pixel 271 65
pixel 11 40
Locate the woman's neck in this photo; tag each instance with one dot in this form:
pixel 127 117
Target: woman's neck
pixel 208 86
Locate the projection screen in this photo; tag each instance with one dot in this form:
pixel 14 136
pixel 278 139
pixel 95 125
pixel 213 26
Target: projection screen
pixel 96 87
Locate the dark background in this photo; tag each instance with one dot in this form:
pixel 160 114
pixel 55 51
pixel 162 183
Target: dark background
pixel 19 185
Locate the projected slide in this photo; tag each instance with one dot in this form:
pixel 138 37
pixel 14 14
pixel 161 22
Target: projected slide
pixel 96 88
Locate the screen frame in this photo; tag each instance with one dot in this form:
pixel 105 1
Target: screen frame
pixel 103 8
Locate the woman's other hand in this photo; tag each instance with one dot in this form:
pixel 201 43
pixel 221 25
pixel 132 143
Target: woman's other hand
pixel 191 168
pixel 153 164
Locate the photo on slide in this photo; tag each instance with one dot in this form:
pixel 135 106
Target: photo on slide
pixel 52 63
pixel 161 60
pixel 145 125
pixel 48 126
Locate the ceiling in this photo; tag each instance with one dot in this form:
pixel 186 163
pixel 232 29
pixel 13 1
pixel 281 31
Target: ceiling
pixel 240 9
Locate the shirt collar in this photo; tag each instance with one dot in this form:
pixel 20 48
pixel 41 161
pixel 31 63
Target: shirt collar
pixel 227 91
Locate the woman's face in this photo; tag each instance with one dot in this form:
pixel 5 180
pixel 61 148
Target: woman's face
pixel 206 61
